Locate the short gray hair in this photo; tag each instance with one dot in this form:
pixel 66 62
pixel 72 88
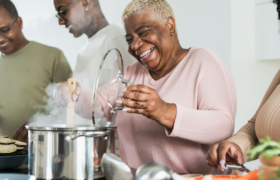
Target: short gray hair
pixel 160 7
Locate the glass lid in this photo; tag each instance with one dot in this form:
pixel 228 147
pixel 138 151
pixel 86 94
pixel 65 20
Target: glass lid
pixel 109 84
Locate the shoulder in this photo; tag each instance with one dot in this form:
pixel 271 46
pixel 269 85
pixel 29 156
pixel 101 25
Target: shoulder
pixel 113 31
pixel 115 36
pixel 45 48
pixel 206 58
pixel 48 54
pixel 208 63
pixel 205 54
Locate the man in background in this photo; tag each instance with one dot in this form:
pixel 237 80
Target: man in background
pixel 26 69
pixel 86 17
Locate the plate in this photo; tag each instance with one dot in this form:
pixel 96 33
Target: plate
pixel 17 177
pixel 12 161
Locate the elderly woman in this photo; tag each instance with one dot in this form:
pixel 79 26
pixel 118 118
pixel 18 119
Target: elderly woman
pixel 265 122
pixel 183 101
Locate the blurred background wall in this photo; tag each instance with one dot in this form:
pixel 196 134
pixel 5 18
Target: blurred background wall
pixel 252 71
pixel 236 29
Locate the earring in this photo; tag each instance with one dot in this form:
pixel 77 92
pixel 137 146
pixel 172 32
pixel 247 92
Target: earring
pixel 87 8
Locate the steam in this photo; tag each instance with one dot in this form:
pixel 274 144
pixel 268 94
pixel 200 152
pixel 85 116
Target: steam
pixel 53 115
pixel 50 114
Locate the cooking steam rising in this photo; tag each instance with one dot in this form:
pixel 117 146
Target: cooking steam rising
pixel 51 115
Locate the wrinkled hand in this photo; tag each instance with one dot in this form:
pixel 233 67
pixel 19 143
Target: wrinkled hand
pixel 146 101
pixel 62 95
pixel 21 134
pixel 216 156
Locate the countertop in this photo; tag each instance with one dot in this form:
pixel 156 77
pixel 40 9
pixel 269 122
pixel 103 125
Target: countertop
pixel 24 170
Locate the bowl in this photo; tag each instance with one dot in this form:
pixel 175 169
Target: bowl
pixel 17 176
pixel 13 161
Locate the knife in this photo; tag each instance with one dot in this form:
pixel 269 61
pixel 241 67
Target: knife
pixel 248 166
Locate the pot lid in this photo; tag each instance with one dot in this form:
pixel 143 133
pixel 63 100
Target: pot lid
pixel 107 87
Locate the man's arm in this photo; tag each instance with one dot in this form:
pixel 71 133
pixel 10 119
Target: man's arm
pixel 61 68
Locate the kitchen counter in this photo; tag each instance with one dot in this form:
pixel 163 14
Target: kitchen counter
pixel 24 170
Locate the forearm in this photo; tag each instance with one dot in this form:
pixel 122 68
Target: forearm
pixel 245 138
pixel 202 126
pixel 169 116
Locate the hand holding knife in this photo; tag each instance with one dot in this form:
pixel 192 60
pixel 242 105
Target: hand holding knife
pixel 248 166
pixel 233 164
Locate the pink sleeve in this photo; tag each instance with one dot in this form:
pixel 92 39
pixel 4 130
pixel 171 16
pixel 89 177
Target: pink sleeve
pixel 213 120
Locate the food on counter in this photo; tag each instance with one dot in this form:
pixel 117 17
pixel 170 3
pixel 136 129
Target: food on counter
pixel 6 141
pixel 8 149
pixel 176 176
pixel 253 175
pixel 19 144
pixel 11 147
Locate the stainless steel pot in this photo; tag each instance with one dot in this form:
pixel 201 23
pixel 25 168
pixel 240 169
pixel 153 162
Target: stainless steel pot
pixel 68 153
pixel 75 153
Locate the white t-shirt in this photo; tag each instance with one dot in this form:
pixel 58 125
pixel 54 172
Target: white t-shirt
pixel 92 54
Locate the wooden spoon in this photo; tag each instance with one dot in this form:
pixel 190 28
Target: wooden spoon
pixel 70 111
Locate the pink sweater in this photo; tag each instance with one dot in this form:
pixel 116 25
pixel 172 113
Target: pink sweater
pixel 203 90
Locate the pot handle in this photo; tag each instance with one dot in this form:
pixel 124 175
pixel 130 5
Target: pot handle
pixel 87 134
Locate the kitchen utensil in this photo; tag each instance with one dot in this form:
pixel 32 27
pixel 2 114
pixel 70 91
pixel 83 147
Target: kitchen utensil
pixel 13 161
pixel 248 166
pixel 236 167
pixel 114 168
pixel 153 171
pixel 70 110
pixel 5 136
pixel 108 86
pixel 5 176
pixel 71 153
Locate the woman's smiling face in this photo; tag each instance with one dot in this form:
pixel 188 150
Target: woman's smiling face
pixel 149 41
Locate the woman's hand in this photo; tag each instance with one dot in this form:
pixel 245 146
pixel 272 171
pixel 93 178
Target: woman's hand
pixel 217 154
pixel 144 100
pixel 62 95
